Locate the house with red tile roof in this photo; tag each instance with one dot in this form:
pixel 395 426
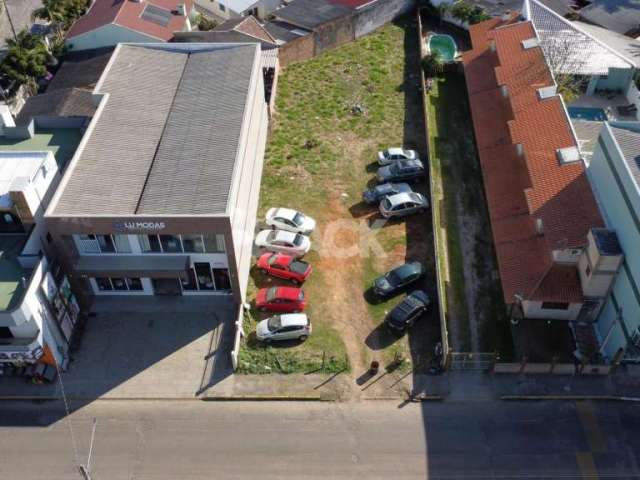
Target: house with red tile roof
pixel 543 213
pixel 109 22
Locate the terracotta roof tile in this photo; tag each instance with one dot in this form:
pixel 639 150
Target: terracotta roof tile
pixel 127 13
pixel 527 189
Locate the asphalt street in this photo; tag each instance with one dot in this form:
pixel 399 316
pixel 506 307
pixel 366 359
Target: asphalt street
pixel 370 440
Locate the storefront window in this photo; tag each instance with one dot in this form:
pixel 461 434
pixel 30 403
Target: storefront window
pixel 191 284
pixel 221 277
pixel 118 283
pixel 193 243
pixel 170 244
pixel 214 243
pixel 104 284
pixel 122 243
pixel 134 284
pixel 203 274
pixel 106 244
pixel 149 243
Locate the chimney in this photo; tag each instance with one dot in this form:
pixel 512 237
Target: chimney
pixel 182 9
pixel 539 226
pixel 506 16
pixel 504 90
pixel 519 149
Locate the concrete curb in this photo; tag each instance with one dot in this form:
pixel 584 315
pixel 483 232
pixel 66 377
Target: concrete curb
pixel 94 399
pixel 569 397
pixel 266 398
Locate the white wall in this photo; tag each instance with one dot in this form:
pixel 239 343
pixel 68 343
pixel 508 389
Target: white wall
pixel 535 310
pixel 107 36
pixel 245 191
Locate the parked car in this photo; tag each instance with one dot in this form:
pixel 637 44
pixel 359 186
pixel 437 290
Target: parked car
pixel 290 220
pixel 401 170
pixel 290 326
pixel 282 241
pixel 390 155
pixel 403 204
pixel 405 314
pixel 280 299
pixel 377 193
pixel 397 279
pixel 284 266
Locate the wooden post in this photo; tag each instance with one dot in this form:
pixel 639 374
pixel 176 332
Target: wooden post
pixel 617 358
pixel 523 364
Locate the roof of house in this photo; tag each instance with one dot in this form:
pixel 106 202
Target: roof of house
pixel 621 16
pixel 167 135
pixel 247 25
pixel 237 30
pixel 629 142
pixel 561 7
pixel 67 102
pixel 626 46
pixel 570 49
pixel 154 18
pixel 81 69
pixel 284 32
pixel 310 14
pixel 536 205
pixel 354 3
pixel 17 170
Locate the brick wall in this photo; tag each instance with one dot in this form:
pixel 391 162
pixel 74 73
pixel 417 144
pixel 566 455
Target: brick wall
pixel 298 50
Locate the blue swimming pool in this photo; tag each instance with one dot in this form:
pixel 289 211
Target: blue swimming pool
pixel 587 113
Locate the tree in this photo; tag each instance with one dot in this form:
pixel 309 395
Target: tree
pixel 205 23
pixel 26 59
pixel 433 64
pixel 465 12
pixel 566 62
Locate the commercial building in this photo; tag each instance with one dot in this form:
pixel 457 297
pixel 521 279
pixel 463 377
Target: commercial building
pixel 614 171
pixel 554 257
pixel 38 311
pixel 161 195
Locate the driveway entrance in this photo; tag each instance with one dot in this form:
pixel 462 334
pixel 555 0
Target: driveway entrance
pixel 153 347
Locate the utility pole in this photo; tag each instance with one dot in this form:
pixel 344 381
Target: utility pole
pixel 85 470
pixel 13 29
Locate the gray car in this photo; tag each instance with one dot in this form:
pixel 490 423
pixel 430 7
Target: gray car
pixel 403 204
pixel 401 170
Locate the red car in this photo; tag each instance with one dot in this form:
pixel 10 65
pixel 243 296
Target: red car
pixel 280 299
pixel 284 266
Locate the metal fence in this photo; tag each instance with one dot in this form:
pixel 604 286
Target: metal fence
pixel 469 361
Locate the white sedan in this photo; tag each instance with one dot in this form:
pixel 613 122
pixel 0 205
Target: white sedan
pixel 282 241
pixel 391 155
pixel 290 220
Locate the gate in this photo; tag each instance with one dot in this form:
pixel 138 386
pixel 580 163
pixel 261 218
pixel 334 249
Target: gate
pixel 470 361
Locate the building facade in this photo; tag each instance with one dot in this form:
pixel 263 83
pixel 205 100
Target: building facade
pixel 614 172
pixel 179 133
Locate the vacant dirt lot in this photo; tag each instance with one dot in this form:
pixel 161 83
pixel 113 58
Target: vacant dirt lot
pixel 334 113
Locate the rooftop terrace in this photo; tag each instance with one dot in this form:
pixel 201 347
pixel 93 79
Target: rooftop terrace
pixel 11 272
pixel 61 141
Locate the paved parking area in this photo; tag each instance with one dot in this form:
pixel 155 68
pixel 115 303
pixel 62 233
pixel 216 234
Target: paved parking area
pixel 146 348
pixel 152 347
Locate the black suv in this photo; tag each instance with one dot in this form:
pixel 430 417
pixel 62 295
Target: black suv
pixel 404 315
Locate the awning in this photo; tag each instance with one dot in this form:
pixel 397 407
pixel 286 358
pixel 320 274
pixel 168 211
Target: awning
pixel 153 266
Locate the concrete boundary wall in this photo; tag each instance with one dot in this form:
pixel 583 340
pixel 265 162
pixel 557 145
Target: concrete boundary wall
pixel 444 333
pixel 550 368
pixel 342 30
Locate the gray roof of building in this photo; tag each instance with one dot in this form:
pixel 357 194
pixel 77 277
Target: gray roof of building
pixel 629 143
pixel 67 102
pixel 81 69
pixel 621 16
pixel 496 8
pixel 311 13
pixel 166 140
pixel 626 46
pixel 213 36
pixel 282 31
